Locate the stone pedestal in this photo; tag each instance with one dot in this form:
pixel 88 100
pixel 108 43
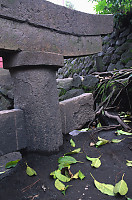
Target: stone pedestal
pixel 35 92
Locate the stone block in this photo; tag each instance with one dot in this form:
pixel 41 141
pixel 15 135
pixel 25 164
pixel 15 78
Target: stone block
pixel 12 131
pixel 65 83
pixel 37 58
pixel 76 112
pixel 71 93
pixel 24 37
pixel 90 81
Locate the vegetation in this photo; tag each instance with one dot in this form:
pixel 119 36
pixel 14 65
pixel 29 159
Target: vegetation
pixel 112 6
pixel 69 5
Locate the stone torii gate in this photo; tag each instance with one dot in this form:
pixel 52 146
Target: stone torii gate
pixel 35 38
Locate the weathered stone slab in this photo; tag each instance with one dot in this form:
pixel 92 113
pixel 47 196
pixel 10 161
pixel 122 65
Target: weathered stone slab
pixel 12 131
pixel 57 18
pixel 66 83
pixel 7 158
pixel 22 36
pixel 76 112
pixel 35 92
pixel 27 58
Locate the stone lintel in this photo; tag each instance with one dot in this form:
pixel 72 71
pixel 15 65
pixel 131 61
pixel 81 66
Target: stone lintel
pixel 44 14
pixel 31 58
pixel 24 37
pixel 76 112
pixel 12 131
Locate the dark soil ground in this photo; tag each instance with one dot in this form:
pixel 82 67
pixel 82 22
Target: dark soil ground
pixel 113 166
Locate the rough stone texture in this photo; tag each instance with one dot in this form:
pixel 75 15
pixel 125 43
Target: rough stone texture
pixel 66 83
pixel 60 19
pixel 27 58
pixel 25 37
pixel 77 82
pixel 76 112
pixel 6 90
pixel 90 81
pixel 35 92
pixel 5 79
pixel 12 131
pixel 113 48
pixel 71 93
pixel 7 158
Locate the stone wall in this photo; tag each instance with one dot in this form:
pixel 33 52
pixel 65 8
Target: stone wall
pixel 116 53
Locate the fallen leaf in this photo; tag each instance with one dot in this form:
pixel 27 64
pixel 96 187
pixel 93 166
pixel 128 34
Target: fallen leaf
pixel 61 177
pixel 72 143
pixel 2 172
pixel 127 121
pixel 121 132
pixel 53 174
pixel 84 130
pixel 73 152
pixel 63 165
pixel 95 161
pixel 81 175
pixel 76 176
pixel 11 164
pixel 30 171
pixel 116 140
pixel 121 187
pixel 129 163
pixel 60 186
pixel 101 142
pixel 104 188
pixel 99 125
pixel 67 160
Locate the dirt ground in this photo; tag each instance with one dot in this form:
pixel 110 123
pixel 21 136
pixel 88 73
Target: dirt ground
pixel 113 166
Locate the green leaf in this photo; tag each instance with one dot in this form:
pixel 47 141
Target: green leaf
pixel 95 162
pixel 104 188
pixel 73 152
pixel 81 175
pixel 84 130
pixel 72 143
pixel 11 164
pixel 2 172
pixel 99 125
pixel 53 174
pixel 76 176
pixel 63 165
pixel 116 140
pixel 64 192
pixel 60 186
pixel 67 160
pixel 61 177
pixel 129 163
pixel 129 199
pixel 121 187
pixel 101 142
pixel 121 132
pixel 127 121
pixel 30 171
